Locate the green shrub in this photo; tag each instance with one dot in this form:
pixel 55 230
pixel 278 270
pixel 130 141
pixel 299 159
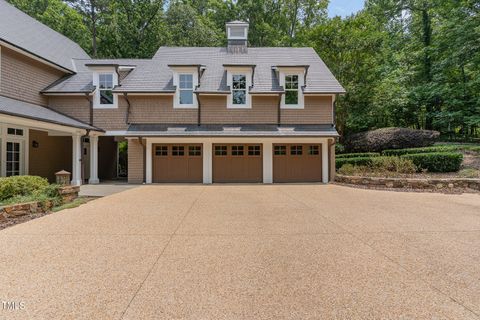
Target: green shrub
pixel 401 152
pixel 339 148
pixel 21 186
pixel 436 161
pixel 358 155
pixel 360 161
pixel 469 173
pixel 393 164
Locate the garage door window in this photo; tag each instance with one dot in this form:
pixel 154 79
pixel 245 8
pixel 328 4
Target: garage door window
pixel 161 151
pixel 313 151
pixel 253 150
pixel 280 150
pixel 194 151
pixel 220 150
pixel 296 150
pixel 237 150
pixel 178 151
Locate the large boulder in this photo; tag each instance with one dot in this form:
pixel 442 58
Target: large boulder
pixel 389 138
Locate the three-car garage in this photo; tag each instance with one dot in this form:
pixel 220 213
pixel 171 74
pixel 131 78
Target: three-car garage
pixel 237 162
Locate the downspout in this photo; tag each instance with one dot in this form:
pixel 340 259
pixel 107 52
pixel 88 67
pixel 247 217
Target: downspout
pixel 334 120
pixel 90 104
pixel 199 111
pixel 127 115
pixel 279 109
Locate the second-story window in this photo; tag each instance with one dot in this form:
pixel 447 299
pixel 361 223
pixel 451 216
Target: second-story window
pixel 186 89
pixel 291 89
pixel 239 89
pixel 105 84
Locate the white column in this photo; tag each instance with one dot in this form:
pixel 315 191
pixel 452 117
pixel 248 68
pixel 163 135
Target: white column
pixel 93 160
pixel 325 172
pixel 267 162
pixel 148 161
pixel 76 160
pixel 207 163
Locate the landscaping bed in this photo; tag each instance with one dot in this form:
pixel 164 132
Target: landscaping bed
pixel 453 167
pixel 24 198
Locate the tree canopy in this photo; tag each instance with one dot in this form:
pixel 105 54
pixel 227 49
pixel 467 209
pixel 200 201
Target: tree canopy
pixel 408 63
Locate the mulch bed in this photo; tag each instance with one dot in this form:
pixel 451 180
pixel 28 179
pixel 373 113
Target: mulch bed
pixel 373 187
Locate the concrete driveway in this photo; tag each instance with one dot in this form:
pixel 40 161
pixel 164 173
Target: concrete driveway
pixel 248 252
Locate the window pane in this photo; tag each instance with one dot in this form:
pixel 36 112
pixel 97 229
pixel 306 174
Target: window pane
pixel 280 150
pixel 296 150
pixel 253 150
pixel 314 150
pixel 161 151
pixel 186 81
pixel 239 81
pixel 186 97
pixel 178 151
pixel 194 151
pixel 220 150
pixel 237 150
pixel 239 97
pixel 291 97
pixel 106 97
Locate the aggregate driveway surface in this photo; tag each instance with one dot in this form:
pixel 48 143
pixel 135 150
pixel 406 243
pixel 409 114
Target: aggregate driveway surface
pixel 248 252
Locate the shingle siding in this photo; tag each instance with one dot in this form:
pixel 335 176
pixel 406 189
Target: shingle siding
pixel 318 110
pixel 23 78
pixel 77 107
pixel 136 161
pixel 159 109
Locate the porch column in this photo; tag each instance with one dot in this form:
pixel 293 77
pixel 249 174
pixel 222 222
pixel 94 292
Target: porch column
pixel 207 163
pixel 325 161
pixel 267 162
pixel 76 160
pixel 148 162
pixel 93 160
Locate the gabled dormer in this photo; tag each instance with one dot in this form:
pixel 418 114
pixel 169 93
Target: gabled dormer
pixel 185 80
pixel 239 81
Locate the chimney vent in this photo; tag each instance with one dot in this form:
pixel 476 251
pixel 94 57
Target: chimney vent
pixel 237 35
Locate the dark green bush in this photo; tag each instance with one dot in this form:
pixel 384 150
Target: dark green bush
pixel 358 155
pixel 436 161
pixel 400 152
pixel 339 148
pixel 359 161
pixel 21 186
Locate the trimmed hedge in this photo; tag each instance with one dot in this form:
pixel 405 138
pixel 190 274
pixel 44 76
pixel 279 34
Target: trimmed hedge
pixel 436 161
pixel 358 155
pixel 356 161
pixel 435 149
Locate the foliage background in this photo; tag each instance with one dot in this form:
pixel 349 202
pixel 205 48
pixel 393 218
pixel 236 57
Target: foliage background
pixel 409 63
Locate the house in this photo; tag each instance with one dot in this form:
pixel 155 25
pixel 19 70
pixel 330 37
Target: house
pixel 189 114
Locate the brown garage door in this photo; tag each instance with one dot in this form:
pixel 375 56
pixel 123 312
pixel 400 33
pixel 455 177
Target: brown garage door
pixel 177 163
pixel 297 163
pixel 237 163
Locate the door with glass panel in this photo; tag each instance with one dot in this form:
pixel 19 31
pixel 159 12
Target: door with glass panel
pixel 14 158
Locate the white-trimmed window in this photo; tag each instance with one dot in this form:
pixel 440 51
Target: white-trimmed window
pixel 105 81
pixel 239 89
pixel 185 79
pixel 292 81
pixel 185 88
pixel 13 150
pixel 239 79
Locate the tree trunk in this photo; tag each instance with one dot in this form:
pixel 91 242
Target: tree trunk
pixel 427 63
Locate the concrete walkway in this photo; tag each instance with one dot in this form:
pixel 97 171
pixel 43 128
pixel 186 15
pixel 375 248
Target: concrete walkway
pixel 248 252
pixel 104 189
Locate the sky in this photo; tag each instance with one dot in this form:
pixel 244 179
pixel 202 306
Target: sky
pixel 344 7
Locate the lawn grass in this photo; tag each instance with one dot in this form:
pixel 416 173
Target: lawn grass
pixel 75 203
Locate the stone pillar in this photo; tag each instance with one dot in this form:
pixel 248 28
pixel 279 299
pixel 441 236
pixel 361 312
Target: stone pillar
pixel 93 160
pixel 268 162
pixel 76 160
pixel 207 163
pixel 325 172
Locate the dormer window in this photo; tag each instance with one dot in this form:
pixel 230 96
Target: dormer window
pixel 186 89
pixel 105 79
pixel 239 89
pixel 105 86
pixel 291 89
pixel 292 80
pixel 185 79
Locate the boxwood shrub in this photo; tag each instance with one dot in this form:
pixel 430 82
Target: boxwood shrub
pixel 355 161
pixel 358 155
pixel 436 161
pixel 400 152
pixel 21 186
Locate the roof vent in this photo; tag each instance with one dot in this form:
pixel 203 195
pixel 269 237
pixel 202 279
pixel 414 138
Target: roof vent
pixel 237 35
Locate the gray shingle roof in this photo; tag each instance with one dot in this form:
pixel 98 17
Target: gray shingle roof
pixel 156 75
pixel 22 31
pixel 175 130
pixel 31 111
